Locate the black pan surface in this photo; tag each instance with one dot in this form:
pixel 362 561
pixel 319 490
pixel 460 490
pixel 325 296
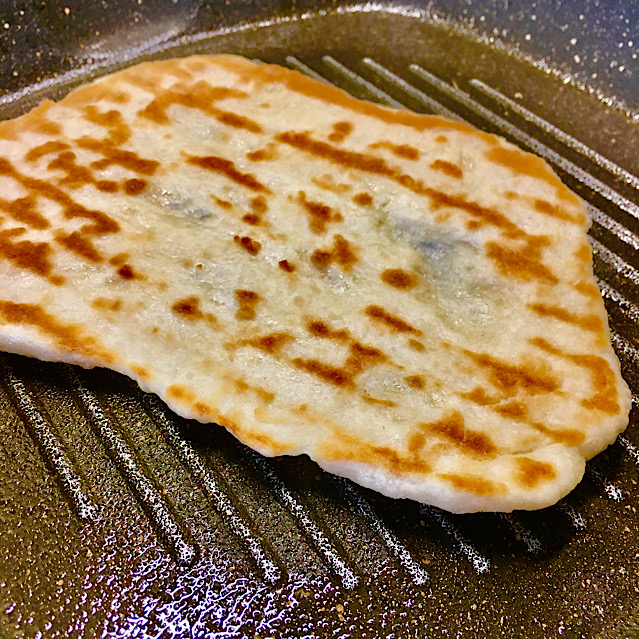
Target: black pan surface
pixel 119 519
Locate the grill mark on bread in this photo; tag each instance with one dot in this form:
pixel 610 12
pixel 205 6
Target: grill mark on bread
pixel 201 96
pixel 141 373
pixel 343 447
pixel 379 402
pixel 415 381
pixel 248 244
pixel 101 222
pixel 80 245
pixel 320 215
pixel 479 396
pixel 398 278
pixel 227 167
pixel 113 155
pixel 472 484
pixel 46 148
pixel 341 254
pixel 592 323
pixel 119 259
pixel 332 374
pixel 32 256
pixel 23 210
pixel 97 92
pixel 416 441
pixel 259 155
pixel 328 183
pixel 258 208
pixel 247 301
pixel 238 121
pixel 453 429
pixel 119 130
pixel 512 410
pixel 360 358
pixel 547 208
pixel 449 168
pixel 179 392
pixel 523 263
pixel 187 399
pixel 363 199
pixel 287 266
pixel 511 378
pixel 271 344
pixel 517 411
pixel 127 272
pixel 400 150
pixel 604 382
pixel 67 337
pixel 243 387
pixel 396 324
pixel 224 204
pixel 189 309
pixel 106 303
pixel 588 289
pixel 78 175
pixel 567 436
pixel 259 205
pixel 135 186
pixel 584 253
pixel 35 121
pixel 341 130
pixel 348 159
pixel 318 328
pixel 532 472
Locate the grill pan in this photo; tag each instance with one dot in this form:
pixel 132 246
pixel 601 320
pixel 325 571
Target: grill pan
pixel 120 519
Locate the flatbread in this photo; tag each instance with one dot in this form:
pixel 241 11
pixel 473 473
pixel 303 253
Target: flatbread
pixel 405 299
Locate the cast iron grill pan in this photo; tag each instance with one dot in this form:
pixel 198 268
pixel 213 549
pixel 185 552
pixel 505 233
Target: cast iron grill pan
pixel 120 519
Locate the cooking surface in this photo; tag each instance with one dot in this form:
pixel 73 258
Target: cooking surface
pixel 119 518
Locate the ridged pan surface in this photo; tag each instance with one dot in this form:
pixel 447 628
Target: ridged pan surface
pixel 119 519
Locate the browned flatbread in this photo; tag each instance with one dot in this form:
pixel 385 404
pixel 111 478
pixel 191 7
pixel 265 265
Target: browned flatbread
pixel 405 299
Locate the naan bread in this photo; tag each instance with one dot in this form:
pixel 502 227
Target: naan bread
pixel 405 299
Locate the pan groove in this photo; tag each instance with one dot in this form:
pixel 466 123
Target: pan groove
pixel 534 546
pixel 417 574
pixel 622 303
pixel 480 563
pixel 298 65
pixel 617 263
pixel 535 145
pixel 217 492
pixel 358 80
pixel 577 519
pixel 51 446
pixel 172 531
pixel 326 547
pixel 558 134
pixel 630 448
pixel 425 100
pixel 611 490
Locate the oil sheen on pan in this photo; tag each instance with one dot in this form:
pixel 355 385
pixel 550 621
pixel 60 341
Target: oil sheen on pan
pixel 405 299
